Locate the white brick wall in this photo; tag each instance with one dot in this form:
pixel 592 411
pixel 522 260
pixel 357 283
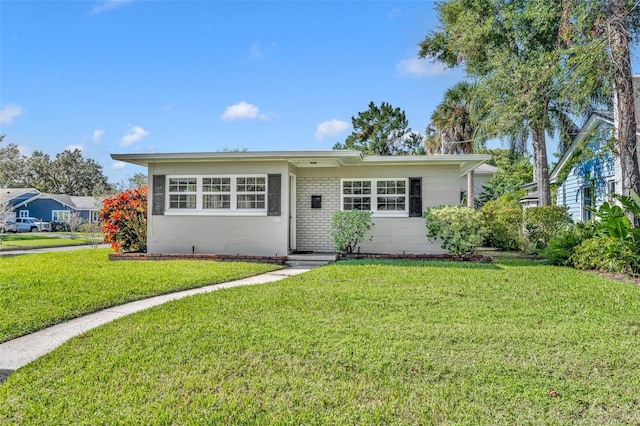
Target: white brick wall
pixel 313 226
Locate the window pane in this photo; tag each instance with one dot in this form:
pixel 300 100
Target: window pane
pixel 391 203
pixel 182 184
pixel 357 203
pixel 216 201
pixel 356 187
pixel 250 201
pixel 182 201
pixel 251 184
pixel 390 187
pixel 216 184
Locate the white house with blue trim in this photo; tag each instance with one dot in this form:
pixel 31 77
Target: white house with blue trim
pixel 589 173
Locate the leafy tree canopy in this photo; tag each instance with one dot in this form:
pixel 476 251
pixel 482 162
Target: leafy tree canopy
pixel 382 130
pixel 514 170
pixel 68 173
pixel 511 49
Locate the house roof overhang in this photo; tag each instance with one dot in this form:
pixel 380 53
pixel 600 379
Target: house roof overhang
pixel 8 194
pixel 331 158
pixel 591 123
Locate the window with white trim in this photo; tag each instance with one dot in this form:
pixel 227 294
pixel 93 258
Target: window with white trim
pixel 182 192
pixel 251 192
pixel 60 215
pixel 380 196
pixel 23 213
pixel 217 194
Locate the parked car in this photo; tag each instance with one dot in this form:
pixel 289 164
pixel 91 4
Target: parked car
pixel 8 226
pixel 32 224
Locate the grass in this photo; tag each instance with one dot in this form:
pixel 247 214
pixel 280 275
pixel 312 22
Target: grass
pixel 37 240
pixel 38 290
pixel 515 342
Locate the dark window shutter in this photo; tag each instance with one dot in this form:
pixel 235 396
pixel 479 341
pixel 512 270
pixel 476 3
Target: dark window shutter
pixel 274 184
pixel 158 195
pixel 415 197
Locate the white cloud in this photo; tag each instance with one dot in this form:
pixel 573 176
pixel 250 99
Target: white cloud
pixel 97 135
pixel 241 111
pixel 107 5
pixel 420 67
pixel 9 112
pixel 331 128
pixel 135 134
pixel 73 147
pixel 118 165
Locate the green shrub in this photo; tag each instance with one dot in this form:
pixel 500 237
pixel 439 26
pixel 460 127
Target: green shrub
pixel 349 228
pixel 503 218
pixel 542 223
pixel 60 227
pixel 606 254
pixel 562 246
pixel 461 229
pixel 631 204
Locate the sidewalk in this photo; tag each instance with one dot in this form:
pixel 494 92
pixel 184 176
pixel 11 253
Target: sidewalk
pixel 22 350
pixel 18 252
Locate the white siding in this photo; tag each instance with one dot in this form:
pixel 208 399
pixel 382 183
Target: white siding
pixel 231 234
pixel 268 235
pixel 570 191
pixel 391 235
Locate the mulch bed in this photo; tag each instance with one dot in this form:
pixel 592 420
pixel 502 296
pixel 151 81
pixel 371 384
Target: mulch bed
pixel 466 258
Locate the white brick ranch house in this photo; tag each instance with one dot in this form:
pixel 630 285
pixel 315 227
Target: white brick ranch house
pixel 275 203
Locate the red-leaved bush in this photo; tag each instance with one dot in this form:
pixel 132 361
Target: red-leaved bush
pixel 124 220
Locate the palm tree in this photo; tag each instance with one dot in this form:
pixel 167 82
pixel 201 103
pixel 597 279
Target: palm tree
pixel 454 127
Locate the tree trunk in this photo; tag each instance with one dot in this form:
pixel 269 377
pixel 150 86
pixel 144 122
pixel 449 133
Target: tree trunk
pixel 470 192
pixel 625 101
pixel 541 165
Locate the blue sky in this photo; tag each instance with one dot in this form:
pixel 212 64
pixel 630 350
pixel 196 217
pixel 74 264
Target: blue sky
pixel 125 76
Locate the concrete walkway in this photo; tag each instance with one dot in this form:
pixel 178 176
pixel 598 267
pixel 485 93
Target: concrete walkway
pixel 22 350
pixel 19 252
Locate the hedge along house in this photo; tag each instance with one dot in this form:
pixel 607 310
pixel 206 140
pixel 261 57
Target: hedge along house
pixel 276 203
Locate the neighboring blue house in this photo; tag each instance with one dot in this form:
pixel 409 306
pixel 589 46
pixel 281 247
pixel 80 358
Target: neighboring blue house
pixel 29 202
pixel 13 196
pixel 589 173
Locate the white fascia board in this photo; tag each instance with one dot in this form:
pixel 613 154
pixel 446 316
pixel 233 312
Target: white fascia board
pixel 342 156
pixel 336 158
pixel 467 162
pixel 591 123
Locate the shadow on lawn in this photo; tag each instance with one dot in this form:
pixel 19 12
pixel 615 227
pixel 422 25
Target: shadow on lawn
pixel 419 263
pixel 28 237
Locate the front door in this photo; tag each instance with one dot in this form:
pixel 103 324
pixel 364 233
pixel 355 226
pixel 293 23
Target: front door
pixel 292 212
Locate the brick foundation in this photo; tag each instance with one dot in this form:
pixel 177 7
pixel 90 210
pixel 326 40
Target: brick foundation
pixel 279 260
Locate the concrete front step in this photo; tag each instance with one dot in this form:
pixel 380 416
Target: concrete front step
pixel 310 259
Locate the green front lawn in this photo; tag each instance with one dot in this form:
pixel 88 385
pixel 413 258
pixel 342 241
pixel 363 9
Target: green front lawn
pixel 357 343
pixel 38 290
pixel 37 240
